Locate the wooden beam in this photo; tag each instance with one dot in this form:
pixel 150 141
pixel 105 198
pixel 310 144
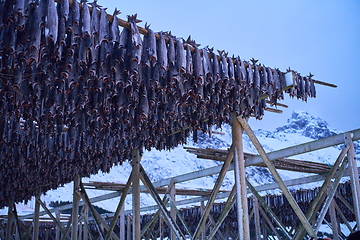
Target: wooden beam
pixel 122 223
pixel 319 198
pixel 273 229
pixel 330 196
pixel 240 179
pixel 257 219
pixel 227 207
pixel 304 148
pixel 172 208
pixel 135 163
pixel 216 188
pixel 268 209
pixel 334 222
pixel 120 206
pixel 343 218
pixel 55 220
pixel 36 216
pixel 354 178
pixel 75 209
pixel 145 179
pixel 100 222
pixel 277 178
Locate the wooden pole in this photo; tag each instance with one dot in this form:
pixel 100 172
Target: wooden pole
pixel 37 215
pixel 86 221
pixel 120 206
pixel 75 210
pixel 9 221
pixel 214 192
pixel 128 230
pixel 122 223
pixel 172 209
pixel 354 178
pixel 57 231
pixel 257 219
pixel 317 202
pixel 202 208
pixel 136 193
pixel 277 178
pixel 334 222
pixel 240 180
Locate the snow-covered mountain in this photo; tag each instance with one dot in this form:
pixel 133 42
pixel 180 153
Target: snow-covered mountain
pixel 301 127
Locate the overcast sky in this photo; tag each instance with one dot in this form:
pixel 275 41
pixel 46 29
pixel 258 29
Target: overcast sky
pixel 321 37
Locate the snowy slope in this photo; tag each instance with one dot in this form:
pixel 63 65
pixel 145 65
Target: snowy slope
pixel 301 127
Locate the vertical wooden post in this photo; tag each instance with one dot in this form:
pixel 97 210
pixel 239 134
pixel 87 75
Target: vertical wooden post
pixel 257 219
pixel 172 209
pixel 9 221
pixel 334 222
pixel 354 177
pixel 36 215
pixel 57 230
pixel 202 206
pixel 122 223
pixel 86 221
pixel 240 174
pixel 128 233
pixel 136 193
pixel 75 210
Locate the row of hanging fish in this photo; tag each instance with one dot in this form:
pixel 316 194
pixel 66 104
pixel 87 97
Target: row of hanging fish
pixel 78 93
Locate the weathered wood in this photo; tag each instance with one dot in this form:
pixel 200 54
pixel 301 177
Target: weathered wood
pixel 180 218
pixel 268 209
pixel 172 208
pixel 240 179
pixel 343 218
pixel 330 196
pixel 75 209
pixel 169 221
pixel 257 219
pixel 120 205
pixel 100 222
pixel 319 198
pixel 135 163
pixel 227 207
pixel 86 221
pixel 334 222
pixel 203 230
pixel 128 227
pixel 277 177
pixel 354 178
pixel 122 223
pixel 54 219
pixel 304 148
pixel 36 216
pixel 216 188
pixel 58 229
pixel 273 229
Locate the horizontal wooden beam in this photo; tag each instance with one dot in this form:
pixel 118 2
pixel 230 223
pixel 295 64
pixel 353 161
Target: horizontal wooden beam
pixel 304 148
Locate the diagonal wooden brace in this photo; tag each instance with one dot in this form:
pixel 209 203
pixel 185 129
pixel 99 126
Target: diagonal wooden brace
pixel 277 177
pixel 146 180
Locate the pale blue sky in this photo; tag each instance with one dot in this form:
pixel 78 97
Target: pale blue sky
pixel 322 37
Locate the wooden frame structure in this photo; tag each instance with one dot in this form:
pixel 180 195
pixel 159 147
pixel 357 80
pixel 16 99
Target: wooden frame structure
pixel 311 220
